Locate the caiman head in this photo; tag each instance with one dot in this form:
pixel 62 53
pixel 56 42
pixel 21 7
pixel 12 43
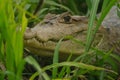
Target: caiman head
pixel 42 38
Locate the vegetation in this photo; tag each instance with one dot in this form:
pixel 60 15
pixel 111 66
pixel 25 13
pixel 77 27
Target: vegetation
pixel 16 15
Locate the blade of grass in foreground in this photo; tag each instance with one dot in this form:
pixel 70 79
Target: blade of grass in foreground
pixel 90 36
pixel 5 36
pixel 73 6
pixel 103 14
pixel 34 63
pixel 91 23
pixel 89 4
pixel 19 47
pixel 79 65
pixel 65 69
pixel 56 58
pixel 12 35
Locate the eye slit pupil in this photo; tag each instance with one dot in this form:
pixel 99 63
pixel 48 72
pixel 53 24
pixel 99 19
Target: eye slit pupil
pixel 67 19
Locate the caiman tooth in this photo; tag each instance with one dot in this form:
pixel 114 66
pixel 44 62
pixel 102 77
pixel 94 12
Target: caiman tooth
pixel 38 39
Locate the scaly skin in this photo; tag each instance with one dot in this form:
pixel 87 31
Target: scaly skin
pixel 43 38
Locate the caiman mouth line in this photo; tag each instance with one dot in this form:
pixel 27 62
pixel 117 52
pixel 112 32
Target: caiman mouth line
pixel 50 52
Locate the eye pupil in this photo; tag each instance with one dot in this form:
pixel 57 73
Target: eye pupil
pixel 67 19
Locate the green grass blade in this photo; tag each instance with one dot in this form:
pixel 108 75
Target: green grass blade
pixel 65 69
pixel 12 35
pixel 34 76
pixel 105 3
pixel 79 65
pixel 91 23
pixel 5 36
pixel 53 3
pixel 118 9
pixel 33 62
pixel 89 4
pixel 103 14
pixel 73 6
pixel 56 58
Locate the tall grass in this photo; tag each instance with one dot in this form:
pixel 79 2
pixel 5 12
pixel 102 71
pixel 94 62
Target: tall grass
pixel 105 9
pixel 12 32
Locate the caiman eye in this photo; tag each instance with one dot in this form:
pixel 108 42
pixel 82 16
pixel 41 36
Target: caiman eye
pixel 67 19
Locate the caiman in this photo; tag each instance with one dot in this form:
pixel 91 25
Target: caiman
pixel 42 38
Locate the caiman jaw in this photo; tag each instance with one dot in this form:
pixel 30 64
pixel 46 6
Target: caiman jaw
pixel 46 48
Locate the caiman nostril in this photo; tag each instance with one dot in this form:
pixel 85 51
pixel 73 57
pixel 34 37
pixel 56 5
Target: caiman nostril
pixel 29 34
